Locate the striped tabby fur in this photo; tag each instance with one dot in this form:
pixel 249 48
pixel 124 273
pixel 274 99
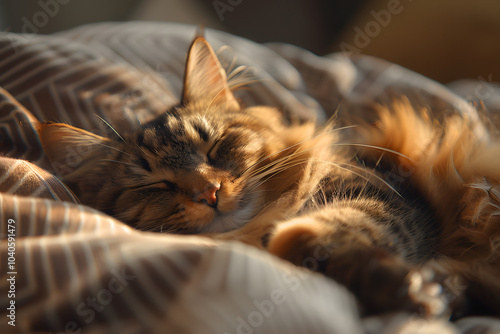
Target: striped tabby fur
pixel 211 166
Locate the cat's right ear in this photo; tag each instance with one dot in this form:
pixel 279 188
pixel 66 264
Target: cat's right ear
pixel 205 79
pixel 73 153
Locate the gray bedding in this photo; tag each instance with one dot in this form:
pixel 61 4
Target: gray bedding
pixel 73 269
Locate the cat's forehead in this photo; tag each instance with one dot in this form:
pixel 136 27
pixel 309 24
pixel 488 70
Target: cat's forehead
pixel 177 141
pixel 173 128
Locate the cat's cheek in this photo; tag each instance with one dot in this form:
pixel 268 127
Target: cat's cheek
pixel 230 195
pixel 227 201
pixel 227 205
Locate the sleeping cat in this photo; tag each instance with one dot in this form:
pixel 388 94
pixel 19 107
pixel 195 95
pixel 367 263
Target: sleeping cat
pixel 303 192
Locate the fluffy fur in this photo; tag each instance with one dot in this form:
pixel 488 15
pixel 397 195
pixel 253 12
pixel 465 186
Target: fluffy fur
pixel 454 163
pixel 372 214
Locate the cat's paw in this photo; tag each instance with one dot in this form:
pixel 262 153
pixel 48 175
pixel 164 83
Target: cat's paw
pixel 380 280
pixel 425 292
pixel 383 282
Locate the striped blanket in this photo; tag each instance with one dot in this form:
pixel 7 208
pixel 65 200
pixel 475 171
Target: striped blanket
pixel 66 268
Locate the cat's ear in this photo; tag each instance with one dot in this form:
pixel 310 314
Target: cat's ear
pixel 73 153
pixel 205 79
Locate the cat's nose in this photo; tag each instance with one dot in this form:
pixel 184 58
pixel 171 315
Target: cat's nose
pixel 208 196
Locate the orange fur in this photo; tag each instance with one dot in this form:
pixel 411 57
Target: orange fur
pixel 455 163
pixel 300 186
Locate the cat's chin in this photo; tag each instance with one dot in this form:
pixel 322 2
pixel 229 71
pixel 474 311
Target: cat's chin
pixel 225 222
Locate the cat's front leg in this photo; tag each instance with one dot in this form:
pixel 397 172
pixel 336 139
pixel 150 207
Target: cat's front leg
pixel 380 279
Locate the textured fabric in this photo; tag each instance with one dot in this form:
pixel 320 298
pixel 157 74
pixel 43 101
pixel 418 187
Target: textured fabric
pixel 76 268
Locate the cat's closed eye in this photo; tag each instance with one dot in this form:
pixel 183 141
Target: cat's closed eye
pixel 164 184
pixel 212 153
pixel 145 164
pixel 170 186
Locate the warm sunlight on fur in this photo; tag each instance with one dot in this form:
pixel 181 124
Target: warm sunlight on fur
pixel 372 213
pixel 287 235
pixel 455 163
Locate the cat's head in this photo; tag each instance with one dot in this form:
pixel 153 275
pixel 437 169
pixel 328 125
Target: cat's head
pixel 203 166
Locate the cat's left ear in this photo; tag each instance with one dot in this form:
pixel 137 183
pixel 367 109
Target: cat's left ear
pixel 205 79
pixel 74 153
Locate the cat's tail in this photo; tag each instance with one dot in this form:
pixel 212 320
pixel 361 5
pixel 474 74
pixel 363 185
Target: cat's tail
pixel 455 164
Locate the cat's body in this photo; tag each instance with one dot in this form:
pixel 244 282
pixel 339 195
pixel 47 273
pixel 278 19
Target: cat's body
pixel 210 166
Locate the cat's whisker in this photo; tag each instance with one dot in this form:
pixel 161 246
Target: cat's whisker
pixel 275 170
pixel 304 151
pixel 243 83
pixel 233 59
pixel 240 77
pixel 236 76
pixel 339 165
pixel 374 147
pixel 281 165
pixel 323 193
pixel 259 180
pixel 333 118
pixel 109 125
pixel 270 164
pixel 158 226
pixel 300 143
pixel 379 160
pixel 120 162
pixel 274 163
pixel 235 71
pixel 211 102
pixel 115 149
pixel 328 131
pixel 291 156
